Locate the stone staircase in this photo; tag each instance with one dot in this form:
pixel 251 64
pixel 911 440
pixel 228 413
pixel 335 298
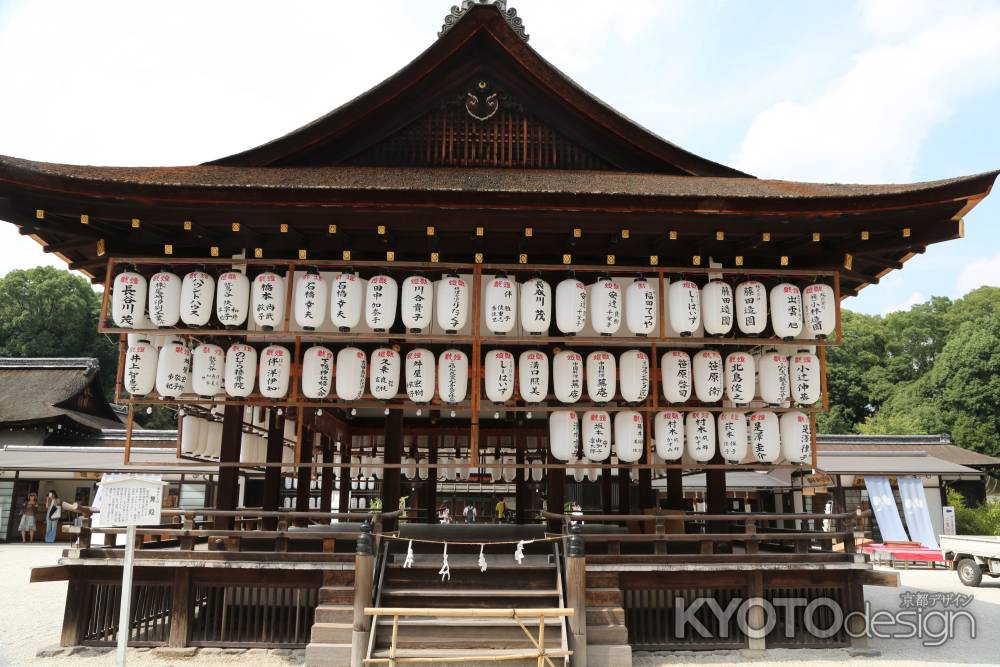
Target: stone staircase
pixel 330 643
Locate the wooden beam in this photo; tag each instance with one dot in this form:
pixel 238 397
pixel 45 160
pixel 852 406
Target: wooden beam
pixel 227 491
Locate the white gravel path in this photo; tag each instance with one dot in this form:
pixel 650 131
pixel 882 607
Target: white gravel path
pixel 31 618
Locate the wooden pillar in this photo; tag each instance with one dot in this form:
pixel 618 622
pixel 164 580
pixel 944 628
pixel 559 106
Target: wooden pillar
pixel 675 489
pixel 326 477
pixel 576 596
pixel 393 454
pixel 272 476
pixel 75 614
pixel 303 475
pixel 646 498
pixel 624 487
pixel 606 505
pixel 364 569
pixel 429 496
pixel 232 433
pixel 344 495
pixel 555 486
pixel 521 496
pixel 180 608
pixel 715 497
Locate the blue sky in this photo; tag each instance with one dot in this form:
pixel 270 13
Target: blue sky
pixel 877 91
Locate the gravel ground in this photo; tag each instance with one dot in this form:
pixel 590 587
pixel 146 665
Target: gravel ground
pixel 31 618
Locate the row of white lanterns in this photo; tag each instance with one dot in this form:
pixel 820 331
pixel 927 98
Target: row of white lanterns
pixel 207 370
pixel 718 307
pixel 764 435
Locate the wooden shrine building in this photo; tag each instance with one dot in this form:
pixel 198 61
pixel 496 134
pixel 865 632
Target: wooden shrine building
pixel 478 162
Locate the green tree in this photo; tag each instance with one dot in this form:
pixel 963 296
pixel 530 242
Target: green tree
pixel 847 366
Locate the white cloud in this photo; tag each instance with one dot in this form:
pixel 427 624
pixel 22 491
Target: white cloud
pixel 908 303
pixel 985 271
pixel 869 124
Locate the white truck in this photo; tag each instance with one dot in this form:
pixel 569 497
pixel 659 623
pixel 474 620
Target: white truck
pixel 972 556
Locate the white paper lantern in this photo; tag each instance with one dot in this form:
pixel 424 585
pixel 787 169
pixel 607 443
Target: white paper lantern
pixel 164 299
pixel 733 436
pixel 602 376
pixel 630 440
pixel 317 372
pixel 275 371
pixel 606 306
pixel 409 469
pixel 384 373
pixel 579 474
pixel 241 370
pixel 351 373
pixel 197 291
pixel 820 304
pixel 786 311
pixel 676 376
pixel 172 369
pixel 567 376
pixel 633 369
pixel 208 370
pixel 310 300
pixel 416 303
pixel 741 372
pixel 140 368
pixel 267 300
pixel 596 435
pixel 536 306
pixel 500 303
pixel 764 437
pixel 232 299
pixel 213 440
pixel 699 431
pixel 201 449
pixel 668 433
pixel 453 376
pixel 642 311
pixel 509 472
pixel 708 376
pixel 772 371
pixel 564 434
pixel 190 430
pixel 498 376
pixel 751 307
pixel 381 296
pixel 135 338
pixel 346 301
pixel 804 376
pixel 717 308
pixel 684 304
pixel 796 437
pixel 533 376
pixel 420 374
pixel 571 306
pixel 452 303
pixel 128 299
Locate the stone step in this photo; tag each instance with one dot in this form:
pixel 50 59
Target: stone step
pixel 604 597
pixel 328 655
pixel 328 613
pixel 336 595
pixel 332 633
pixel 607 634
pixel 605 616
pixel 490 657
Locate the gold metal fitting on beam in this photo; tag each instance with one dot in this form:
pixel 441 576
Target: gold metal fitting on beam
pixel 848 261
pixel 906 232
pixel 522 258
pixel 187 225
pixel 696 260
pixel 258 253
pixel 816 237
pixel 739 260
pixel 39 214
pixel 577 232
pixel 303 253
pixel 381 230
pixel 283 228
pixel 611 260
pixel 529 232
pixel 168 248
pixel 84 219
pixel 567 259
pixel 865 235
pixel 626 233
pixel 214 251
pixel 654 260
pixel 136 223
pixel 430 230
pixel 765 237
pixel 346 255
pixel 101 247
pixel 720 235
pixel 332 229
pixel 435 257
pixel 784 260
pixel 236 226
pixel 479 258
pixel 390 255
pixel 480 231
pixel 672 235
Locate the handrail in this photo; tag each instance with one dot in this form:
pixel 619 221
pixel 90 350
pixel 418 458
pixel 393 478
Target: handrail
pixel 379 580
pixel 734 516
pixel 269 514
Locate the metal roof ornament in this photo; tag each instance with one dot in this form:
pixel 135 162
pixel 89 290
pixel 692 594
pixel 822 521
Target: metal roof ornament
pixel 510 15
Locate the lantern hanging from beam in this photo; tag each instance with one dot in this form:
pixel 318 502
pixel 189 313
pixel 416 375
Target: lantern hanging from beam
pixel 796 437
pixel 346 301
pixel 351 373
pixel 500 303
pixel 668 433
pixel 420 375
pixel 602 376
pixel 699 431
pixel 596 435
pixel 571 306
pixel 820 304
pixel 453 376
pixel 381 297
pixel 172 369
pixel 764 437
pixel 452 303
pixel 773 374
pixel 499 376
pixel 267 300
pixel 275 371
pixel 642 311
pixel 317 372
pixel 741 380
pixel 241 370
pixel 213 440
pixel 536 306
pixel 384 373
pixel 140 368
pixel 675 370
pixel 164 299
pixel 310 300
pixel 684 305
pixel 533 376
pixel 197 291
pixel 630 439
pixel 708 376
pixel 416 303
pixel 717 308
pixel 751 307
pixel 567 376
pixel 232 299
pixel 564 434
pixel 190 428
pixel 606 306
pixel 208 368
pixel 128 299
pixel 786 311
pixel 804 376
pixel 634 373
pixel 733 436
pixel 579 474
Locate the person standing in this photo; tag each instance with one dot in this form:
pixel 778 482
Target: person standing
pixel 53 513
pixel 469 513
pixel 501 510
pixel 27 526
